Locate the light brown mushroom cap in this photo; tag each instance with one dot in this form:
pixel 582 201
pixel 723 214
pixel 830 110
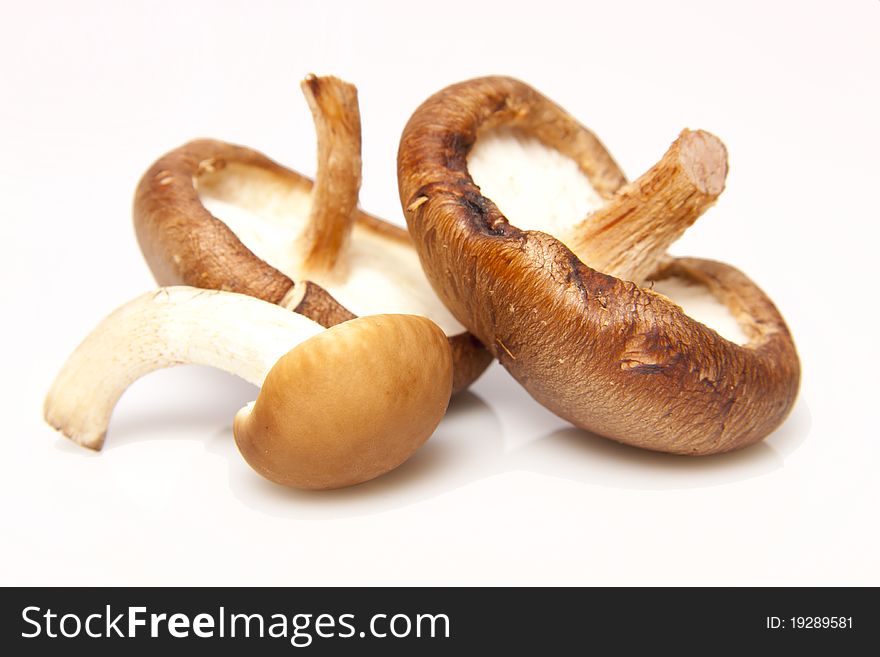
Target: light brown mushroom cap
pixel 185 244
pixel 599 350
pixel 349 404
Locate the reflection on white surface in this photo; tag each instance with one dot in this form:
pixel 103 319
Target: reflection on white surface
pixel 467 446
pixel 471 444
pixel 582 456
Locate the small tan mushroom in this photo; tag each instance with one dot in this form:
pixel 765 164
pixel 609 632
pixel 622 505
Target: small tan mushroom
pixel 218 216
pixel 349 404
pixel 337 406
pixel 563 298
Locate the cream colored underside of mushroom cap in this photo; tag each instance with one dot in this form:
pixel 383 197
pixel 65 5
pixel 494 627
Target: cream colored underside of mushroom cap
pixel 376 275
pixel 536 187
pixel 698 302
pixel 539 188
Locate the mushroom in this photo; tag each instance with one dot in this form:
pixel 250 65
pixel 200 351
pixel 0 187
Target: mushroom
pixel 337 407
pixel 219 216
pixel 564 301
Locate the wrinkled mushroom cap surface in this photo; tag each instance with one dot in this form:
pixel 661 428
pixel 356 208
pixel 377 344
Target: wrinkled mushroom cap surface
pixel 601 352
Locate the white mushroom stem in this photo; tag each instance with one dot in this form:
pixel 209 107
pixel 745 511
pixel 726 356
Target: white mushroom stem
pixel 239 334
pixel 334 107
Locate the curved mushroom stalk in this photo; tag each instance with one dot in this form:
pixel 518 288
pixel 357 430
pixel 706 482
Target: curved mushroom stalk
pixel 337 117
pixel 167 327
pixel 337 406
pixel 219 216
pixel 551 296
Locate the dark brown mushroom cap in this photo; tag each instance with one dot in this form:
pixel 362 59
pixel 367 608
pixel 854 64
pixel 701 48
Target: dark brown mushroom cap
pixel 184 244
pixel 601 352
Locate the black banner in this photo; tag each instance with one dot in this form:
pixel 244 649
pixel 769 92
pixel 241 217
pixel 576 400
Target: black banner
pixel 434 621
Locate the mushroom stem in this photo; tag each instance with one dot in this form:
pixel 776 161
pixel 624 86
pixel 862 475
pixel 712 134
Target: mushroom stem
pixel 628 237
pixel 334 107
pixel 171 326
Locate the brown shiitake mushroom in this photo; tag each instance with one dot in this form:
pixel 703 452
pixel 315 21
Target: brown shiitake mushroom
pixel 218 216
pixel 572 314
pixel 337 406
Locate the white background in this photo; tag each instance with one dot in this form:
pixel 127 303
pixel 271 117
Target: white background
pixel 504 493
